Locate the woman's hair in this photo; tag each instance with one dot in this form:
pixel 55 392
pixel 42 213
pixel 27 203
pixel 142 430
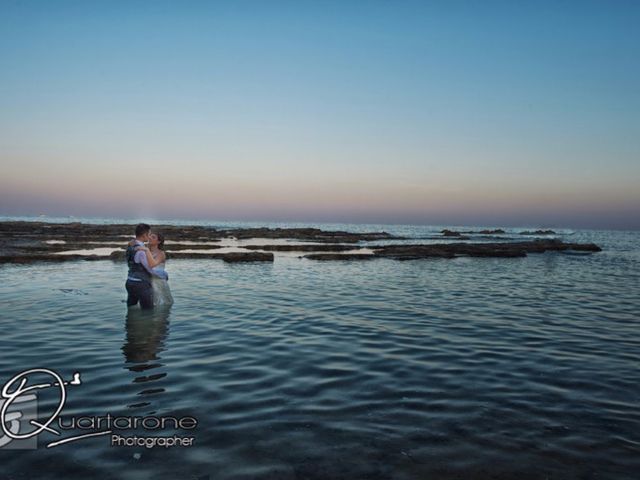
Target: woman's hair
pixel 160 240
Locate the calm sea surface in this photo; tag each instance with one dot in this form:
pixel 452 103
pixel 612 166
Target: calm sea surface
pixel 465 368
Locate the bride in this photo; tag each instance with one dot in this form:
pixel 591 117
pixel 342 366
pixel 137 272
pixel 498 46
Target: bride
pixel 156 259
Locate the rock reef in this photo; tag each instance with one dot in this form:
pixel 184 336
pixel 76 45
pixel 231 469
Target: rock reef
pixel 77 232
pixel 27 242
pixel 497 231
pixel 538 232
pixel 453 233
pixel 452 250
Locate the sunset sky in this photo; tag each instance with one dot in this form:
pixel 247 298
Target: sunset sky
pixel 465 113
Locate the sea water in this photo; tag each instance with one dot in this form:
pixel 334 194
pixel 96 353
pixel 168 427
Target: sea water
pixel 436 368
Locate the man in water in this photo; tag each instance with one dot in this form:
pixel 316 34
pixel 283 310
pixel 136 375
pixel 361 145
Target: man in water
pixel 138 283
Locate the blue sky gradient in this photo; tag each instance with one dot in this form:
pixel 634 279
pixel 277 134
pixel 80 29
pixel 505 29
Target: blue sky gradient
pixel 505 113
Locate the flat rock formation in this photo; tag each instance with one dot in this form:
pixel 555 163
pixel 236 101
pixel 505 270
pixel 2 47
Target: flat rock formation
pixel 327 247
pixel 453 233
pixel 340 256
pixel 310 235
pixel 48 257
pixel 236 257
pixel 538 232
pixel 497 231
pixel 452 250
pixel 26 242
pixel 227 257
pixel 84 232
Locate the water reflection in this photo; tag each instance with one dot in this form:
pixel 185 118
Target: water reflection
pixel 145 337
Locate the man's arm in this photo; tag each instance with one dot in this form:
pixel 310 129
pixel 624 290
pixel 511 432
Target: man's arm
pixel 141 258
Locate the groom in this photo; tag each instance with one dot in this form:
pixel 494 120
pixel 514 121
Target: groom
pixel 138 283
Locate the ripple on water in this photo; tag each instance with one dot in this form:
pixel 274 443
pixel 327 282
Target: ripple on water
pixel 465 368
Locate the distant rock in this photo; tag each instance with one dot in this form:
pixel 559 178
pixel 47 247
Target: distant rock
pixel 450 233
pixel 452 250
pixel 77 232
pixel 538 232
pixel 309 234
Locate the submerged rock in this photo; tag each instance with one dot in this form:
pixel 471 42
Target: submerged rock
pixel 47 257
pixel 339 256
pixel 247 257
pixel 328 247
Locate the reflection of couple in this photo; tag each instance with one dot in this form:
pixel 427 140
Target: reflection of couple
pixel 147 280
pixel 145 339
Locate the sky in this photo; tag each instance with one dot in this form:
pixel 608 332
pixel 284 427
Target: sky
pixel 494 113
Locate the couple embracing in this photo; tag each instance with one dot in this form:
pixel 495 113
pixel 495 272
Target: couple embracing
pixel 147 280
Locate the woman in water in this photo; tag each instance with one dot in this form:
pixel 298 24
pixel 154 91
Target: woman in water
pixel 156 258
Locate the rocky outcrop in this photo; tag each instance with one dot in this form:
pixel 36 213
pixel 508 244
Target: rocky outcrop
pixel 453 233
pixel 227 257
pixel 48 257
pixel 328 247
pixel 452 250
pixel 83 232
pixel 538 232
pixel 25 242
pixel 22 242
pixel 495 231
pixel 309 234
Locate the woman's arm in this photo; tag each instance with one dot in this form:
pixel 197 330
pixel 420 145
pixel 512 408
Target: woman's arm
pixel 150 260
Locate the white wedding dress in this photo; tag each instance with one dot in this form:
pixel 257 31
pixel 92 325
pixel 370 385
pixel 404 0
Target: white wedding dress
pixel 161 290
